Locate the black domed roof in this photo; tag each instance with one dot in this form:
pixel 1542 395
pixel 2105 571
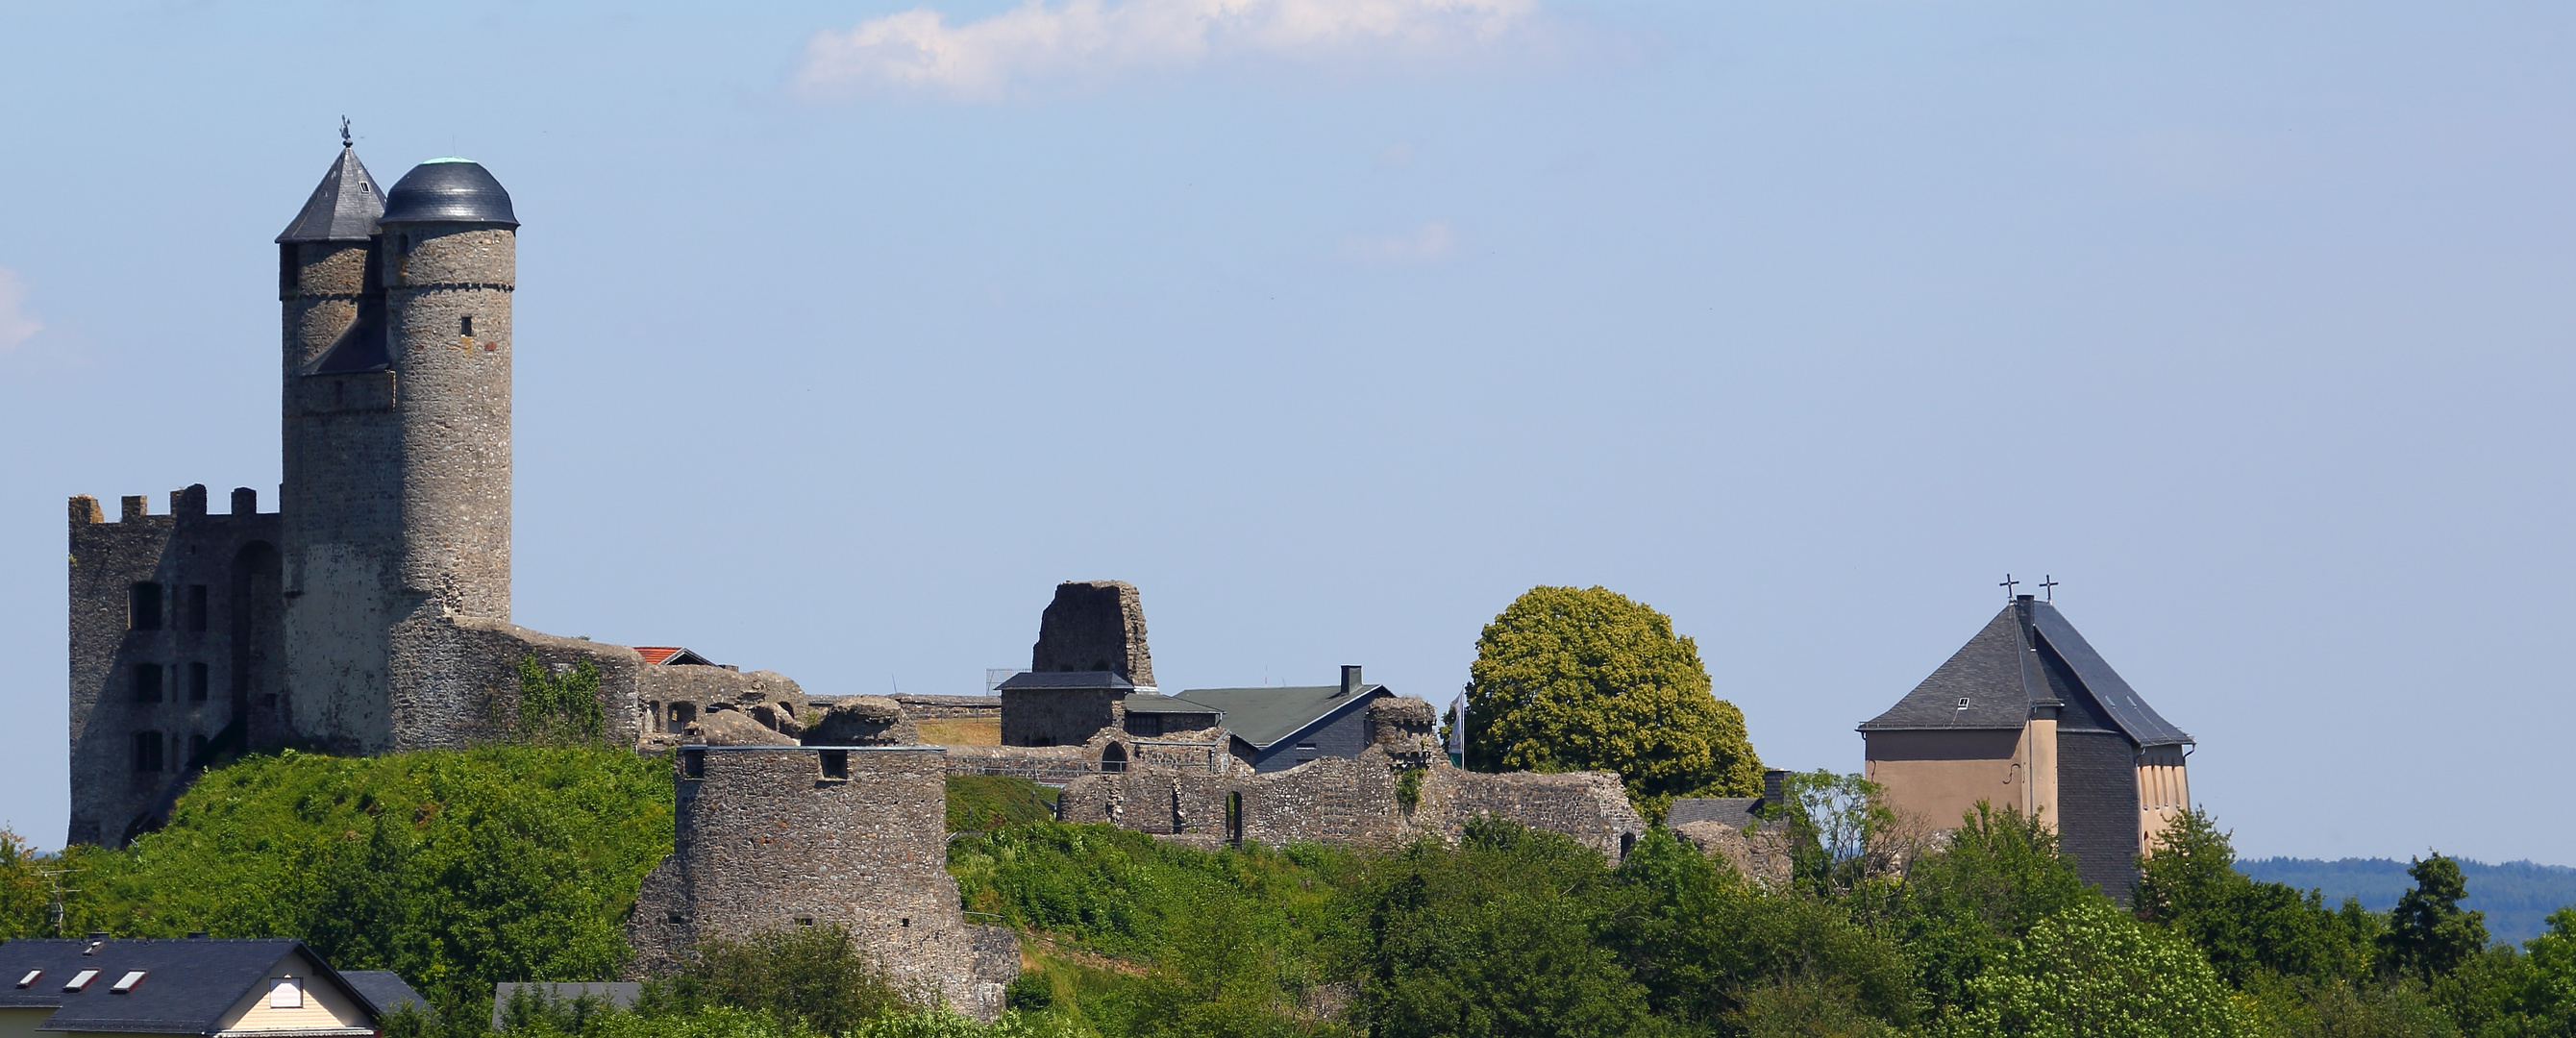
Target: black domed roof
pixel 448 191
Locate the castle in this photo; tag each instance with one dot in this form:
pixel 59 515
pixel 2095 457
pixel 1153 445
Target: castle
pixel 370 613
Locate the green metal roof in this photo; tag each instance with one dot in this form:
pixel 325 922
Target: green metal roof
pixel 1264 716
pixel 1156 703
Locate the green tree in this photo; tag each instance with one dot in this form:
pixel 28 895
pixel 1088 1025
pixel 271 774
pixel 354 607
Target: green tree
pixel 2428 933
pixel 2550 991
pixel 1571 679
pixel 811 978
pixel 1497 939
pixel 2092 971
pixel 1716 953
pixel 2190 885
pixel 1961 906
pixel 25 893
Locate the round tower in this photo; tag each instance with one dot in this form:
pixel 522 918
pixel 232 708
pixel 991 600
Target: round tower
pixel 322 259
pixel 448 260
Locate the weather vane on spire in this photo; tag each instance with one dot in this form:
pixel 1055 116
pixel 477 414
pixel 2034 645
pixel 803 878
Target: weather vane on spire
pixel 344 132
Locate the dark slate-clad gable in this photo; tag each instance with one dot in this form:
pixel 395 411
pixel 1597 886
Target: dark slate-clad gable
pixel 2027 654
pixel 1987 672
pixel 344 205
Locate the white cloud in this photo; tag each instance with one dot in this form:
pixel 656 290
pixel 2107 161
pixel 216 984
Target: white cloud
pixel 1091 41
pixel 1430 243
pixel 15 326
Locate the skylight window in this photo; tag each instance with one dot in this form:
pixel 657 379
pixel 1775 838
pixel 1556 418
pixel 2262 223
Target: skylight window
pixel 30 978
pixel 126 983
pixel 81 980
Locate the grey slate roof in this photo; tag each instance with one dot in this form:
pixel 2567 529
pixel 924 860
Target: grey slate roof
pixel 384 989
pixel 2027 654
pixel 188 986
pixel 1157 703
pixel 344 206
pixel 1267 716
pixel 1068 680
pixel 448 191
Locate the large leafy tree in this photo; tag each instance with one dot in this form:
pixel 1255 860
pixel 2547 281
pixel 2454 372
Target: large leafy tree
pixel 2191 885
pixel 2429 934
pixel 1587 679
pixel 2092 970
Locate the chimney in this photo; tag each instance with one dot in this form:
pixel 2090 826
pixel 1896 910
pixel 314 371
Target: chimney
pixel 1771 783
pixel 1351 679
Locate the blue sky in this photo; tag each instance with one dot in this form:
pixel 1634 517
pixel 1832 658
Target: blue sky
pixel 845 330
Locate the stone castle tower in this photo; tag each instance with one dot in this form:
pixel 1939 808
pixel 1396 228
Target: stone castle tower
pixel 396 498
pixel 370 612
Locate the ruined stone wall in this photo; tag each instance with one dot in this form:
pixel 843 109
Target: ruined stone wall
pixel 1060 717
pixel 1094 625
pixel 670 697
pixel 767 839
pixel 456 681
pixel 206 656
pixel 950 708
pixel 1352 801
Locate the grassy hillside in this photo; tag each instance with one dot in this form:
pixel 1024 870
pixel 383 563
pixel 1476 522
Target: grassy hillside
pixel 2516 896
pixel 455 868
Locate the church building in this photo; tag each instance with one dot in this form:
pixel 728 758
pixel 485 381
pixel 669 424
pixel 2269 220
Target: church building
pixel 2027 716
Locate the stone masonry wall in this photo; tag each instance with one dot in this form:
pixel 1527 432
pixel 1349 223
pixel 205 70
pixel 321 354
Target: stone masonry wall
pixel 1094 625
pixel 209 647
pixel 1352 801
pixel 456 681
pixel 767 839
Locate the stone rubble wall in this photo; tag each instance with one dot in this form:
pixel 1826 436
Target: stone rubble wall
pixel 765 841
pixel 1758 854
pixel 1352 801
pixel 456 680
pixel 1094 625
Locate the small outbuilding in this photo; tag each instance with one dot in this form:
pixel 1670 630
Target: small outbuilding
pixel 1277 728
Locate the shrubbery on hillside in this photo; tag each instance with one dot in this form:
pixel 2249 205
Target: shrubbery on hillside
pixel 456 869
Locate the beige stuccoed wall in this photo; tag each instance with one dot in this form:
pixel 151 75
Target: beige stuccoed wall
pixel 1936 777
pixel 22 1023
pixel 2164 793
pixel 325 1005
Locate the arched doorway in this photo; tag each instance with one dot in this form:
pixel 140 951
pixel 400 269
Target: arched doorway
pixel 1113 758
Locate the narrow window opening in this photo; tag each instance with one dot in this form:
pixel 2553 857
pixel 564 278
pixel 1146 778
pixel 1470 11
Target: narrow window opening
pixel 836 764
pixel 693 762
pixel 1627 842
pixel 197 608
pixel 143 606
pixel 804 920
pixel 1234 818
pixel 148 751
pixel 147 682
pixel 196 747
pixel 200 680
pixel 675 919
pixel 465 326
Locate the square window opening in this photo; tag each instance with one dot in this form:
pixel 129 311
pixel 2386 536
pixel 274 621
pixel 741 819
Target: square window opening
pixel 147 682
pixel 693 762
pixel 836 764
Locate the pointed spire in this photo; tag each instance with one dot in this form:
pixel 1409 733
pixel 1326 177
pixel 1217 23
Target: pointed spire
pixel 344 206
